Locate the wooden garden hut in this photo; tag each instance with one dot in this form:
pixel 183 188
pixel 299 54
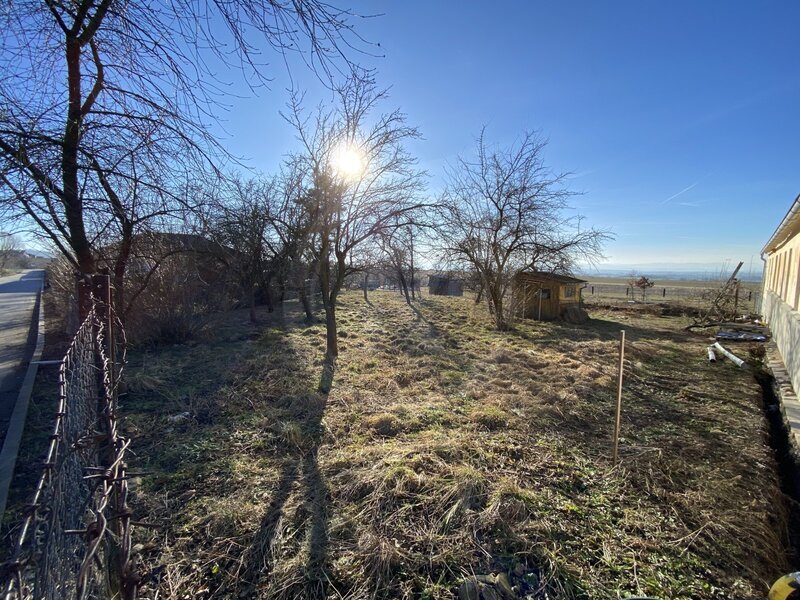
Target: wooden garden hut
pixel 546 296
pixel 444 285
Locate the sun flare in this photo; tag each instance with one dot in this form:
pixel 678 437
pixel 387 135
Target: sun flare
pixel 348 162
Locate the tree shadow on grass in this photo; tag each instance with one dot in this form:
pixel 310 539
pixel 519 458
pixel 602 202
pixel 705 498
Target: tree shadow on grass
pixel 259 560
pixel 434 331
pixel 300 478
pixel 317 503
pixel 596 329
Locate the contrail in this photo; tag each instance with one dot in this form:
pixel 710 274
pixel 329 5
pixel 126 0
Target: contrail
pixel 683 191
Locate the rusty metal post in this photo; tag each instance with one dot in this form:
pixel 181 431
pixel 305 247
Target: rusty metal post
pixel 108 300
pixel 83 290
pixel 618 419
pixel 103 293
pixel 101 300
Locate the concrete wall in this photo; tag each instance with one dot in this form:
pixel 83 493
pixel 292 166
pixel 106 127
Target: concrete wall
pixel 784 323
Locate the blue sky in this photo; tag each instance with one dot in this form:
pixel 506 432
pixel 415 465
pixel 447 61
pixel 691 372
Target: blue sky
pixel 679 120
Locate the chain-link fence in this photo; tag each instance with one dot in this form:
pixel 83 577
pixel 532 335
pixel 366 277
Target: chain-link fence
pixel 75 539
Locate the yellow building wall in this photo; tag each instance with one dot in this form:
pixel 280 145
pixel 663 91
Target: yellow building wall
pixel 781 301
pixel 783 272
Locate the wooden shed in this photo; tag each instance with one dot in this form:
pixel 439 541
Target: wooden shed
pixel 445 285
pixel 546 296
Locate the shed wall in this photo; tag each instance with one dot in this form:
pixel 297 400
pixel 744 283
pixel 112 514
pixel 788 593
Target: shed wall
pixel 443 286
pixel 550 307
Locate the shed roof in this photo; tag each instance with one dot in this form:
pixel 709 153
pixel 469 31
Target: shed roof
pixel 786 229
pixel 545 276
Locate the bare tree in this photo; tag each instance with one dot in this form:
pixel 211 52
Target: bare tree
pixel 505 212
pixel 241 225
pixel 138 195
pixel 292 227
pixel 9 249
pixel 84 80
pixel 360 182
pixel 397 248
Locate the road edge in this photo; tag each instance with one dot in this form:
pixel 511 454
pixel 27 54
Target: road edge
pixel 16 426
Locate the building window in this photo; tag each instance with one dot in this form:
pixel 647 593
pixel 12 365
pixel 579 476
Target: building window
pixel 569 291
pixel 545 293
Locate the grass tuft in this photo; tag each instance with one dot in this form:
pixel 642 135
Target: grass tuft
pixel 489 417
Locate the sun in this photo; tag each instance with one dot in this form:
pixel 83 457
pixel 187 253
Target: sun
pixel 348 162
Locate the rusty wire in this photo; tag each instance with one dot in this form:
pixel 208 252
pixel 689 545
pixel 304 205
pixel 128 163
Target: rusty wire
pixel 74 542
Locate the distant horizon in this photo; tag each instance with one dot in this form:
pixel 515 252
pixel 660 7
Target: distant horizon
pixel 667 269
pixel 676 270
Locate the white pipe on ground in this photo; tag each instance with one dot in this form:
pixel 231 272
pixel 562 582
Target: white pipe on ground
pixel 733 358
pixel 711 356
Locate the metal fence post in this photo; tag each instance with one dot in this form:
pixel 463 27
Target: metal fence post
pixel 83 289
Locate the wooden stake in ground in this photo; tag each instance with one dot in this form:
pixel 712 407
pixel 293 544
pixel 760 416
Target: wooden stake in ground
pixel 618 420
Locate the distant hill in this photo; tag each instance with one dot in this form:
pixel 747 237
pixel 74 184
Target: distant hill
pixel 675 271
pixel 38 253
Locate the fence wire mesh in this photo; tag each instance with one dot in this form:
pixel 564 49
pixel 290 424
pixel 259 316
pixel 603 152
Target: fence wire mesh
pixel 75 539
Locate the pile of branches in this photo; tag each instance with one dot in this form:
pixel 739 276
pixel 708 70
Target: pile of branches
pixel 722 304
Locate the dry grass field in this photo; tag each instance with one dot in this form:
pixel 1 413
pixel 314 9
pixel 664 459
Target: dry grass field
pixel 687 293
pixel 447 450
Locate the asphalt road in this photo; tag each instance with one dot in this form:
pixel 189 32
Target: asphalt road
pixel 17 336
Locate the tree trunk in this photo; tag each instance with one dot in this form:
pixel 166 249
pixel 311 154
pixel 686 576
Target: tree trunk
pixel 73 207
pixel 119 290
pixel 331 341
pixel 302 291
pixel 329 302
pixel 479 297
pixel 120 267
pixel 496 302
pixel 268 293
pixel 252 303
pixel 331 348
pixel 366 289
pixel 413 274
pixel 404 286
pixel 500 320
